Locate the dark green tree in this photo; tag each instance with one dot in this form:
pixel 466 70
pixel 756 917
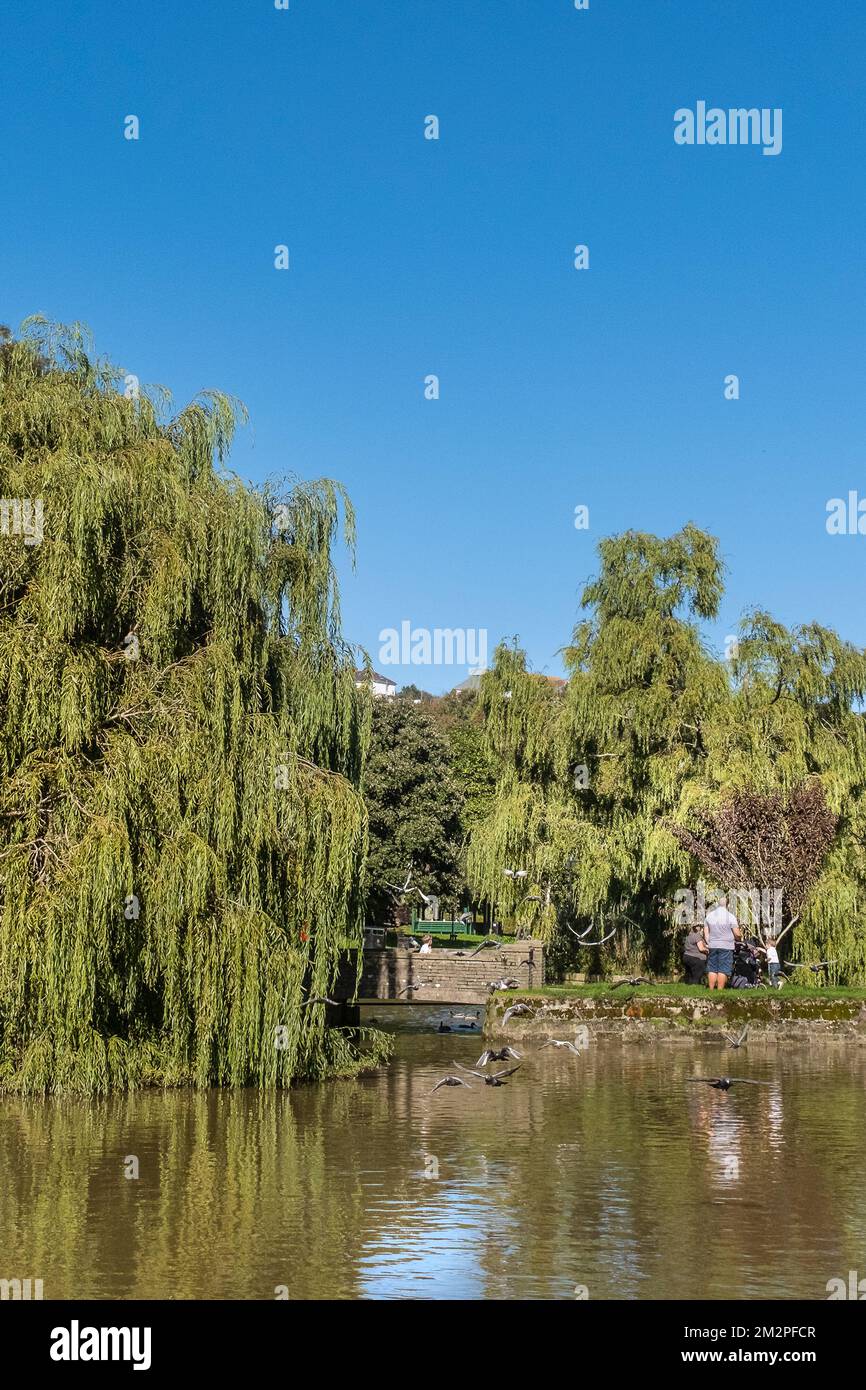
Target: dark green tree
pixel 415 694
pixel 459 717
pixel 414 808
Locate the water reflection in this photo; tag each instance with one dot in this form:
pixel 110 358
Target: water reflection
pixel 609 1171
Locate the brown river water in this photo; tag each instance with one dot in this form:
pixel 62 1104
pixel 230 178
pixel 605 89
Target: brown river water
pixel 607 1176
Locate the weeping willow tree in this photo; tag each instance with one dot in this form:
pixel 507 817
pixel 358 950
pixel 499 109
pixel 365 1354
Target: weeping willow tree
pixel 181 831
pixel 793 721
pixel 587 778
pixel 655 731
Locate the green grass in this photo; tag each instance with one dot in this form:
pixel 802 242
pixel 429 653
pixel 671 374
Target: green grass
pixel 441 939
pixel 677 990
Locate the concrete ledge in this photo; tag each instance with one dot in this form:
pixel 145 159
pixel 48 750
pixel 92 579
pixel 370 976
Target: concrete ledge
pixel 657 1018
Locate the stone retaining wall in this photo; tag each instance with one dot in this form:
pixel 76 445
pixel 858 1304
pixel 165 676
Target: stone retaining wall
pixel 452 976
pixel 655 1018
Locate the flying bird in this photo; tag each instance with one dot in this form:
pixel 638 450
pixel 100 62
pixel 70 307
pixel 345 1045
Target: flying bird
pixel 515 1011
pixel 451 1081
pixel 317 999
pixel 515 873
pixel 601 940
pixel 581 936
pixel 397 888
pixel 815 966
pixel 490 1078
pixel 494 1055
pixel 488 941
pixel 504 983
pixel 738 1041
pixel 418 984
pixel 638 981
pixel 724 1083
pixel 561 1042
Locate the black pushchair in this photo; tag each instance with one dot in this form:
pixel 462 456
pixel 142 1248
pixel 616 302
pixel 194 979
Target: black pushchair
pixel 747 972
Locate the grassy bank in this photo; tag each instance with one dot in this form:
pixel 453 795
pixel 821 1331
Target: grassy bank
pixel 696 992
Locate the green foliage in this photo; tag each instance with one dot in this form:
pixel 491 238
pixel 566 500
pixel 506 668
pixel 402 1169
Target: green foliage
pixel 759 842
pixel 415 694
pixel 181 830
pixel 414 808
pixel 793 717
pixel 655 729
pixel 458 716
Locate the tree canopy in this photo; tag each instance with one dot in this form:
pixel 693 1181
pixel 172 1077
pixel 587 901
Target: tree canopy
pixel 765 851
pixel 414 808
pixel 458 717
pixel 182 835
pixel 652 733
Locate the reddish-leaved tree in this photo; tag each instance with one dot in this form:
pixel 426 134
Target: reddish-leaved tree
pixel 760 843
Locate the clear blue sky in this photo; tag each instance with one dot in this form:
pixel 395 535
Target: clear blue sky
pixel 409 256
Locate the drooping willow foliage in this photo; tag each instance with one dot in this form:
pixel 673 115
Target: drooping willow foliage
pixel 654 729
pixel 181 745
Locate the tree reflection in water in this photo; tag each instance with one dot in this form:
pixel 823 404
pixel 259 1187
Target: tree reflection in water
pixel 608 1171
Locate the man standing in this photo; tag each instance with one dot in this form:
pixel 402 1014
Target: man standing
pixel 720 932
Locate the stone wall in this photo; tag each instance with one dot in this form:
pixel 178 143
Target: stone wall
pixel 450 976
pixel 655 1018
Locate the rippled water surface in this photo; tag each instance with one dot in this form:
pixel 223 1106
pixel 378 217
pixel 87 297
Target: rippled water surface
pixel 609 1171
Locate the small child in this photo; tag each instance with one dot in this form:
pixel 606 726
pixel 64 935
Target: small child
pixel 773 967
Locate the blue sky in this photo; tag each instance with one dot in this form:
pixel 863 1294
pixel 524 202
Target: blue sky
pixel 410 256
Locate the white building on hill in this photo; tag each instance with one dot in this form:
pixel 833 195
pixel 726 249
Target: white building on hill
pixel 379 685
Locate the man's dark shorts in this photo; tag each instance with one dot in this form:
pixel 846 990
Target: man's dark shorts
pixel 720 962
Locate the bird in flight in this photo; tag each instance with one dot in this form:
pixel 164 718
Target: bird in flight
pixel 417 984
pixel 561 1042
pixel 317 999
pixel 638 981
pixel 492 1055
pixel 816 966
pixel 601 939
pixel 504 983
pixel 451 1081
pixel 739 1040
pixel 515 1011
pixel 581 936
pixel 400 889
pixel 488 941
pixel 490 1078
pixel 724 1083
